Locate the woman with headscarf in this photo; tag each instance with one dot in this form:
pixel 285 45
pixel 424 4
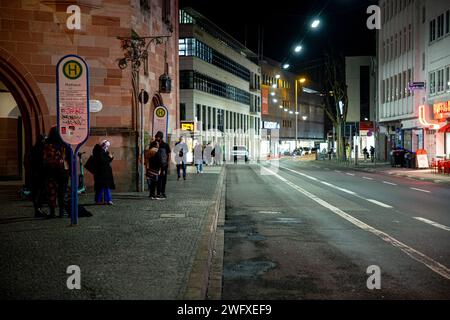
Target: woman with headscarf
pixel 103 176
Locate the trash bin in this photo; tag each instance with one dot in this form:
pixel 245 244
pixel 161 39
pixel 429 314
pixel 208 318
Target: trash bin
pixel 410 160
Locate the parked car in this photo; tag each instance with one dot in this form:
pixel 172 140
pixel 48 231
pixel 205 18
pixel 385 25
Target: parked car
pixel 240 152
pixel 297 152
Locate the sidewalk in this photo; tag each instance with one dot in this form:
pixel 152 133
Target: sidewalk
pixel 386 168
pixel 137 249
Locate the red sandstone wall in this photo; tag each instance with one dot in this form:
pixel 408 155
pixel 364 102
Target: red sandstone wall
pixel 35 33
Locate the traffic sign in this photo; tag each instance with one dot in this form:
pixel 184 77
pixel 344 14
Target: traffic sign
pixel 143 97
pixel 72 99
pixel 160 120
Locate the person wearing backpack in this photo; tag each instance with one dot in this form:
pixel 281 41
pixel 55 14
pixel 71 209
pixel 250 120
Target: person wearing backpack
pixel 103 175
pixel 164 150
pixel 181 149
pixel 152 162
pixel 56 164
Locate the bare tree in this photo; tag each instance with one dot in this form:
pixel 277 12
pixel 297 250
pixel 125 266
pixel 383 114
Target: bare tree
pixel 335 91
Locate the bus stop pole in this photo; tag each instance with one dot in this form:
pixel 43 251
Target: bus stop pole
pixel 74 187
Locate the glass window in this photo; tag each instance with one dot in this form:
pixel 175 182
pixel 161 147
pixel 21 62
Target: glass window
pixel 182 111
pixel 447 78
pixel 432 30
pixel 447 21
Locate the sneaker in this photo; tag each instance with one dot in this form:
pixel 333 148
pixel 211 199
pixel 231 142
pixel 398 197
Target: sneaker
pixel 164 195
pixel 160 197
pixel 110 203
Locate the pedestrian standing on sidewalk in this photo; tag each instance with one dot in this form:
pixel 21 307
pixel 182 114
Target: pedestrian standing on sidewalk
pixel 56 166
pixel 181 151
pixel 152 158
pixel 198 157
pixel 37 175
pixel 103 174
pixel 365 153
pixel 164 149
pixel 372 153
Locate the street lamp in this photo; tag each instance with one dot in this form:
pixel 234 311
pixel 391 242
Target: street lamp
pixel 301 80
pixel 298 48
pixel 315 23
pixel 286 66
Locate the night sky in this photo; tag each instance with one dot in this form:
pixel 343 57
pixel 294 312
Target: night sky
pixel 285 23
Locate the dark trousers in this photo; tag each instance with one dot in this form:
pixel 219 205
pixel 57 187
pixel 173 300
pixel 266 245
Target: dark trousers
pixel 153 185
pixel 162 181
pixel 181 166
pixel 56 190
pixel 37 190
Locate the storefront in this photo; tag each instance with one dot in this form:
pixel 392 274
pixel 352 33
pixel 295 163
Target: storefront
pixel 441 113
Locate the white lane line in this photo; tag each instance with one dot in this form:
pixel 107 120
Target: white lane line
pixel 379 203
pixel 413 253
pixel 435 224
pixel 387 182
pixel 367 178
pixel 350 174
pixel 421 190
pixel 338 188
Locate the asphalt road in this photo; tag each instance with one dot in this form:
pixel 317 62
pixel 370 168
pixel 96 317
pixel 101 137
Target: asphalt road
pixel 303 230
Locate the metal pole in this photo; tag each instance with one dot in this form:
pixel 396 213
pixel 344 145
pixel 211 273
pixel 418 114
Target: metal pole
pixel 142 180
pixel 74 188
pixel 296 115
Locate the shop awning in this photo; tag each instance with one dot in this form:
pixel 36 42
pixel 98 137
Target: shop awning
pixel 445 128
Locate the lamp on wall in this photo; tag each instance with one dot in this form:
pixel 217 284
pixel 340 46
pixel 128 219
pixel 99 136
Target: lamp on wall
pixel 165 82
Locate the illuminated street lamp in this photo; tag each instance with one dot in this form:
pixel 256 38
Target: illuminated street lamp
pixel 298 48
pixel 315 23
pixel 301 80
pixel 286 66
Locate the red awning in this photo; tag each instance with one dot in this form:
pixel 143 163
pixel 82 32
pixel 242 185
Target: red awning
pixel 445 128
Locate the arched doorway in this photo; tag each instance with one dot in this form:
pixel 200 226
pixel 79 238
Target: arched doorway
pixel 23 116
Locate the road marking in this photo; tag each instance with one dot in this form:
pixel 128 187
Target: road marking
pixel 392 184
pixel 367 178
pixel 316 166
pixel 413 253
pixel 435 224
pixel 270 212
pixel 337 171
pixel 338 188
pixel 379 203
pixel 350 174
pixel 421 190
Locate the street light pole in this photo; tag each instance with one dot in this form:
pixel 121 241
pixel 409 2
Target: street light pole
pixel 296 115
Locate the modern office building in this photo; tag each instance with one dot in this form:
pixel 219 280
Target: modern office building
pixel 280 113
pixel 413 76
pixel 360 77
pixel 219 86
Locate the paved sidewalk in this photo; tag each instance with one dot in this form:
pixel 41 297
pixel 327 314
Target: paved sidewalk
pixel 136 249
pixel 386 168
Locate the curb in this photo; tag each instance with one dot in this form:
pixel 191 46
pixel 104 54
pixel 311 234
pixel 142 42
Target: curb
pixel 199 276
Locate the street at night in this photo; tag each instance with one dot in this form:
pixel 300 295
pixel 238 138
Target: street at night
pixel 225 159
pixel 310 231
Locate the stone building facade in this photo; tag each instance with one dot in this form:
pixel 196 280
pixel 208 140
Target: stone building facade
pixel 34 35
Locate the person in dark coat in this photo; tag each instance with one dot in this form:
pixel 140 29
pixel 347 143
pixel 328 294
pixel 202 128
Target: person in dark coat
pixel 56 164
pixel 103 175
pixel 37 175
pixel 153 168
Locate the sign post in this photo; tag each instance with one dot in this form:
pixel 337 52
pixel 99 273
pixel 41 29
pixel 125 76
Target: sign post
pixel 160 121
pixel 72 108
